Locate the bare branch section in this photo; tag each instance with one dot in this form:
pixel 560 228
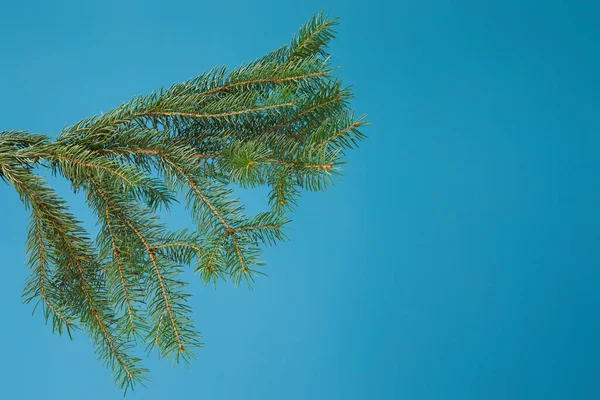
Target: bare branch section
pixel 282 122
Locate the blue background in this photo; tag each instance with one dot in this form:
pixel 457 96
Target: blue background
pixel 457 259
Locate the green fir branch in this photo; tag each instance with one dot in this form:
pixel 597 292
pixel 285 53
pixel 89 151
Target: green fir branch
pixel 282 121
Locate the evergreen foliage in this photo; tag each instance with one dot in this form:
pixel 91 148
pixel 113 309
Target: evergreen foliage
pixel 281 121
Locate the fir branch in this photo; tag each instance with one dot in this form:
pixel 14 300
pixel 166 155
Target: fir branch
pixel 124 285
pixel 39 287
pixel 265 80
pixel 282 121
